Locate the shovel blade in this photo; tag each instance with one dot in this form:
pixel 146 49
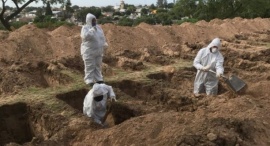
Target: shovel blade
pixel 235 83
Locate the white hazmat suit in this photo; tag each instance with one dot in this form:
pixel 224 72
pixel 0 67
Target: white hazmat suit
pixel 92 48
pixel 206 60
pixel 97 109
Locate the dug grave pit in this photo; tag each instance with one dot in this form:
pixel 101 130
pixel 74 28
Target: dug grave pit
pixel 15 125
pixel 23 124
pixel 120 111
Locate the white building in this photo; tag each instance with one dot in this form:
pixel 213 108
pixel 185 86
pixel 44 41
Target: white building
pixel 121 7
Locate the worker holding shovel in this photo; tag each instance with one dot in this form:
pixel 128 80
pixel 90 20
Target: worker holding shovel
pixel 208 58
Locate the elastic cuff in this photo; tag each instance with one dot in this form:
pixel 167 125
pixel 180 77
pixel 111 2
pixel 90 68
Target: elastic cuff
pixel 91 84
pixel 100 82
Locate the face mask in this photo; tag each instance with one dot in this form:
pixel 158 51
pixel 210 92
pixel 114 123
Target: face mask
pixel 214 50
pixel 94 24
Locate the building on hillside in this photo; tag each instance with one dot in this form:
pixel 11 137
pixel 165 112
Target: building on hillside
pixel 120 8
pixel 31 14
pixel 138 12
pixel 57 14
pixel 122 4
pixel 107 14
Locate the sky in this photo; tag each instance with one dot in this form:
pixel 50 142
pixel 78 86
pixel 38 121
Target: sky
pixel 99 3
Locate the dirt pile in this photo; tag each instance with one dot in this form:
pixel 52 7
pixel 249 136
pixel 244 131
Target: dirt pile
pixel 150 68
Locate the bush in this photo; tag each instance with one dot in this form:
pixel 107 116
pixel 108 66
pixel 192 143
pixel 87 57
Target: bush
pixel 105 20
pixel 163 18
pixel 191 20
pixel 52 25
pixel 125 22
pixel 2 27
pixel 18 24
pixel 43 18
pixel 145 19
pixel 13 24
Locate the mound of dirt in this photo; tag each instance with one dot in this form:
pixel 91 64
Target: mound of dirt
pixel 216 21
pixel 65 31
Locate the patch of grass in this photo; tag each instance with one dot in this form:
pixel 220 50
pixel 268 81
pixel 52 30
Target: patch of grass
pixel 267 45
pixel 47 96
pixel 121 74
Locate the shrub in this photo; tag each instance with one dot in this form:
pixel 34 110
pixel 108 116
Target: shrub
pixel 125 22
pixel 105 20
pixel 146 19
pixel 52 25
pixel 16 25
pixel 191 20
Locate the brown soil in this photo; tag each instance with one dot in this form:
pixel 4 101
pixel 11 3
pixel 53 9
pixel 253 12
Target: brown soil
pixel 150 69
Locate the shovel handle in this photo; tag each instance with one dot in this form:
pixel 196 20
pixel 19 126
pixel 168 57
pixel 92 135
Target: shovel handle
pixel 108 111
pixel 215 73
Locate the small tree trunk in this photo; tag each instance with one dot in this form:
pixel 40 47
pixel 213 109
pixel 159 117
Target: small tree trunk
pixel 5 23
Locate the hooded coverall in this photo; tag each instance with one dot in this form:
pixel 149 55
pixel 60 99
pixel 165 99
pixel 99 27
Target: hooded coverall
pixel 97 109
pixel 206 81
pixel 92 48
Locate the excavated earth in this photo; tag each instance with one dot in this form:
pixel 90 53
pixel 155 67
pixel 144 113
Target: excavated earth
pixel 150 69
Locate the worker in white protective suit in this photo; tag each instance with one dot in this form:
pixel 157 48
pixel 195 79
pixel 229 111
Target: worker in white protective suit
pixel 92 48
pixel 95 102
pixel 208 58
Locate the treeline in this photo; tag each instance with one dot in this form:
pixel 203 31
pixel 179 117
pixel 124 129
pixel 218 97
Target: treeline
pixel 162 12
pixel 222 9
pixel 195 10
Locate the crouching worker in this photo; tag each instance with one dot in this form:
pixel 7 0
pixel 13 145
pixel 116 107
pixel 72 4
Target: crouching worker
pixel 95 102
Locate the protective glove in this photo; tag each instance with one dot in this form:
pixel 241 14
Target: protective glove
pixel 92 29
pixel 113 98
pixel 218 75
pixel 105 46
pixel 206 68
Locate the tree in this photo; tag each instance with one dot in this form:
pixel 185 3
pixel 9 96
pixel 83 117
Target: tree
pixel 160 3
pixel 170 5
pixel 23 4
pixel 131 8
pixel 48 11
pixel 81 14
pixel 39 12
pixel 144 11
pixel 75 7
pixel 152 7
pixel 68 10
pixel 165 3
pixel 108 9
pixel 68 5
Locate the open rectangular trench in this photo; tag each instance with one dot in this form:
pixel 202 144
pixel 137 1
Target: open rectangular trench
pixel 120 112
pixel 14 124
pixel 21 124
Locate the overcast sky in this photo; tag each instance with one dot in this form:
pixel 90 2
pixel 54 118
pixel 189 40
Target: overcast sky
pixel 99 3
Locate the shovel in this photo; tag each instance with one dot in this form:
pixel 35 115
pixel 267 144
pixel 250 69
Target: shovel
pixel 109 110
pixel 234 83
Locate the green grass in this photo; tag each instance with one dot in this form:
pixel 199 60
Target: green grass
pixel 267 45
pixel 47 96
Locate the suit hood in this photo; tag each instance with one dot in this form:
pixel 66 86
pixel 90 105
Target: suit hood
pixel 89 18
